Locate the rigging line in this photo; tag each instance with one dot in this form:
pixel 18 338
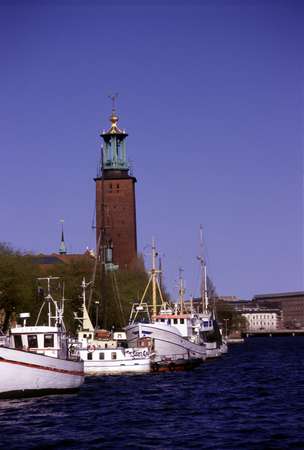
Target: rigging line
pixel 117 296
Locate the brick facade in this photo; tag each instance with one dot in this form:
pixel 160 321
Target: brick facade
pixel 116 215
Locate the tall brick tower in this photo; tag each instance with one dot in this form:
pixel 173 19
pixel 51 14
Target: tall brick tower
pixel 116 235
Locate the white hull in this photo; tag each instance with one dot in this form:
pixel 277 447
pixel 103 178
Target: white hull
pixel 134 360
pixel 167 341
pixel 25 373
pixel 213 351
pixel 235 340
pixel 116 367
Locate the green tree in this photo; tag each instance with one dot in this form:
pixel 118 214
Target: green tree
pixel 17 286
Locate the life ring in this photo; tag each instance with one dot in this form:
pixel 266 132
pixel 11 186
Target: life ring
pixel 91 348
pixel 72 349
pixel 155 367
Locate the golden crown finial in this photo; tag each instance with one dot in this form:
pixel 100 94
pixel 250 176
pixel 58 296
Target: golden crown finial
pixel 114 117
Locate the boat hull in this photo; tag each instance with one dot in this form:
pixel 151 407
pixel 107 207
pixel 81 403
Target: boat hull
pixel 117 367
pixel 167 341
pixel 127 361
pixel 175 365
pixel 26 373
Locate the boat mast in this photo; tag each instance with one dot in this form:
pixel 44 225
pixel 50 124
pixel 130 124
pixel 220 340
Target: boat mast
pixel 85 320
pixel 49 300
pixel 181 291
pixel 204 289
pixel 154 280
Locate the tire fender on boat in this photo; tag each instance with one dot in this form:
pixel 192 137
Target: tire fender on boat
pixel 171 367
pixel 91 348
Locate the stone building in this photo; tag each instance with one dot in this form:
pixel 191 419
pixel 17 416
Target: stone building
pixel 262 319
pixel 291 305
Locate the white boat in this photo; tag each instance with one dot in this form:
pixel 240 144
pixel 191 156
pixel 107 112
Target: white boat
pixel 4 340
pixel 175 334
pixel 104 352
pixel 36 360
pixel 210 330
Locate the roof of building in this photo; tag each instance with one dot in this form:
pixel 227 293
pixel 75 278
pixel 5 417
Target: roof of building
pixel 56 258
pixel 278 295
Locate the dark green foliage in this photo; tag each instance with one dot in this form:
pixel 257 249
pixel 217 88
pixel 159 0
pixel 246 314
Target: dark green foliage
pixel 19 293
pixel 235 322
pixel 120 290
pixel 17 283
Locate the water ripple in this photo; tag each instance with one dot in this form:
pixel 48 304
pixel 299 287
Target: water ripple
pixel 250 399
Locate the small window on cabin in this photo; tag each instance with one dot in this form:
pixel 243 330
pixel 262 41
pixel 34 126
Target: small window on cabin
pixel 85 335
pixel 89 336
pixel 174 320
pixel 162 320
pixel 32 341
pixel 182 320
pixel 90 356
pixel 169 321
pixel 48 340
pixel 101 355
pixel 113 355
pixel 18 340
pixel 106 345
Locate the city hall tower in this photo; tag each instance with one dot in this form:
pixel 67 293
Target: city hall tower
pixel 116 237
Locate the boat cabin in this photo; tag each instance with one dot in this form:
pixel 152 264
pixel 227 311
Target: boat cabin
pixel 180 321
pixel 44 340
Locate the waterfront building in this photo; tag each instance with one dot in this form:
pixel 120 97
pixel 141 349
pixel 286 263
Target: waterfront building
pixel 262 319
pixel 291 305
pixel 116 236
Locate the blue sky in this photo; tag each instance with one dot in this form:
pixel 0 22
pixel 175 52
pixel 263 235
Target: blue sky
pixel 211 94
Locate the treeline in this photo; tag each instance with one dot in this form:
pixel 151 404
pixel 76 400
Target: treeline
pixel 112 298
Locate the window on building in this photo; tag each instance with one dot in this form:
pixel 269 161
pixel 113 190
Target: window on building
pixel 182 320
pixel 174 320
pixel 101 355
pixel 113 355
pixel 32 341
pixel 48 340
pixel 90 356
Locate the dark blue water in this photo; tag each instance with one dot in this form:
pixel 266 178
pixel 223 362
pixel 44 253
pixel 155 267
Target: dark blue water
pixel 252 398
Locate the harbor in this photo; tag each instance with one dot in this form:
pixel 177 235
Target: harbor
pixel 151 272
pixel 249 399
